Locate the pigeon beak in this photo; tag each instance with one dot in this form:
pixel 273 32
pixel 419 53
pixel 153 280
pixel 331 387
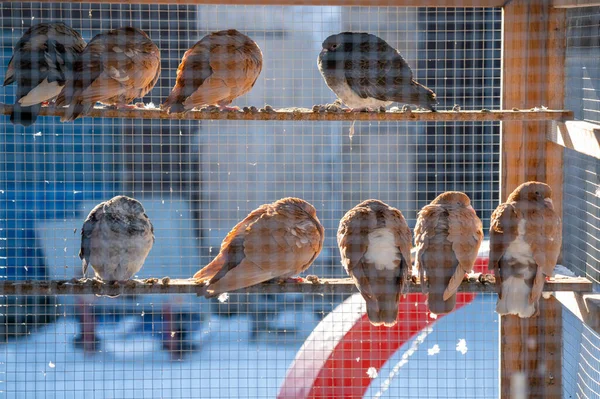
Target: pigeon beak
pixel 324 51
pixel 549 203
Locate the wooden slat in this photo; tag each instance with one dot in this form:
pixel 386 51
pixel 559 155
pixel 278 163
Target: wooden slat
pixel 580 136
pixel 533 75
pixel 533 347
pixel 366 3
pixel 575 3
pixel 477 283
pixel 586 307
pixel 305 114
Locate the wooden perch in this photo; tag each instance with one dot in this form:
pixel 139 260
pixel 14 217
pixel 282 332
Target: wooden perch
pixel 311 285
pixel 305 114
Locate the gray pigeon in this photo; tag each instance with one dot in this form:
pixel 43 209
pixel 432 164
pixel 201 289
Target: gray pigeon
pixel 42 62
pixel 365 72
pixel 116 238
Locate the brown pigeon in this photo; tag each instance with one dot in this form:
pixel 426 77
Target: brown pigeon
pixel 116 238
pixel 365 72
pixel 42 62
pixel 275 241
pixel 216 70
pixel 525 241
pixel 375 243
pixel 115 68
pixel 448 234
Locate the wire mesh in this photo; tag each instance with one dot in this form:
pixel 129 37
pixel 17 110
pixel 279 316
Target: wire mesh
pixel 196 180
pixel 582 71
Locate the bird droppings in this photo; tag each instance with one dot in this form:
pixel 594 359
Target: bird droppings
pixel 433 316
pixel 434 350
pixel 484 110
pixel 372 372
pixel 166 280
pixel 223 297
pixel 461 346
pixel 406 109
pixel 313 279
pixel 51 365
pixel 151 281
pixel 456 108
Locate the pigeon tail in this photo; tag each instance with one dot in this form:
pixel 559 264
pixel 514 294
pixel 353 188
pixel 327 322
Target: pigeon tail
pixel 75 110
pixel 174 102
pixel 25 116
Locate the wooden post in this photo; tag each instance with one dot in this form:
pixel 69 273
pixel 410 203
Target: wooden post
pixel 533 347
pixel 533 76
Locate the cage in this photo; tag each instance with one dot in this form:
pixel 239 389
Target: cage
pixel 517 89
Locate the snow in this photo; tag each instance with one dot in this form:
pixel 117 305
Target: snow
pixel 133 365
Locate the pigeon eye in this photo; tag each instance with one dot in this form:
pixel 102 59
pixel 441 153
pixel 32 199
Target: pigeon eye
pixel 537 193
pixel 334 46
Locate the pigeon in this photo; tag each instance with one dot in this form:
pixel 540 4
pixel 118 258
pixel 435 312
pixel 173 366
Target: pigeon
pixel 42 62
pixel 116 67
pixel 116 238
pixel 375 243
pixel 448 235
pixel 525 241
pixel 275 241
pixel 219 68
pixel 365 72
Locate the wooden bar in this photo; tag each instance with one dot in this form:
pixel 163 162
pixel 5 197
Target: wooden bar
pixel 586 307
pixel 575 3
pixel 535 351
pixel 533 75
pixel 313 285
pixel 581 136
pixel 305 114
pixel 366 3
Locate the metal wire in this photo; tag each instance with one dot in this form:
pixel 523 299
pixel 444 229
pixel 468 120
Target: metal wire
pixel 197 179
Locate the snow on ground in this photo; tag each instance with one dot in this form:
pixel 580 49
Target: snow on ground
pixel 133 365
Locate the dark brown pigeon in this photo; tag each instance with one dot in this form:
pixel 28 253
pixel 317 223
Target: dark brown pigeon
pixel 42 62
pixel 365 72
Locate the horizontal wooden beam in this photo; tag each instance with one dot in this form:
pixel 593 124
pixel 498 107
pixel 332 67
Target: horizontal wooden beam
pixel 366 3
pixel 586 307
pixel 580 136
pixel 574 3
pixel 305 114
pixel 312 285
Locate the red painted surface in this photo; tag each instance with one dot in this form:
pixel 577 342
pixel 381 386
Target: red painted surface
pixel 344 373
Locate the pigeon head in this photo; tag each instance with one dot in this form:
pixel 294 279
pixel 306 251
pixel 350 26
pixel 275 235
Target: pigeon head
pixel 296 205
pixel 453 199
pixel 532 191
pixel 124 205
pixel 348 45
